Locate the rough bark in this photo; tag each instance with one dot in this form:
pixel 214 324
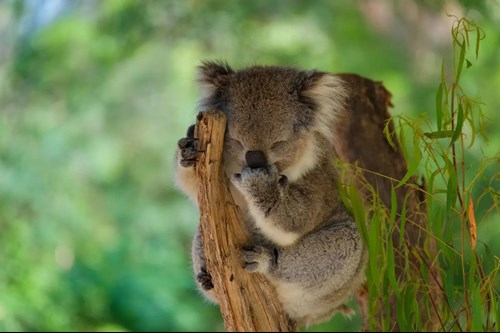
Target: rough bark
pixel 248 302
pixel 363 143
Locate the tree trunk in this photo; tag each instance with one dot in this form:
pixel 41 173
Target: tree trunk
pixel 362 142
pixel 248 302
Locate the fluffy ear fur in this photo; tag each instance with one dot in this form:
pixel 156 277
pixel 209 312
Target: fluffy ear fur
pixel 213 75
pixel 328 94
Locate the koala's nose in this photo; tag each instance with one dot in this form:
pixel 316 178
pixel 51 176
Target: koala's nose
pixel 256 159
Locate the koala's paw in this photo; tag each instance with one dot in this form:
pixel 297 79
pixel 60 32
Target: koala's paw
pixel 205 279
pixel 258 258
pixel 257 181
pixel 187 147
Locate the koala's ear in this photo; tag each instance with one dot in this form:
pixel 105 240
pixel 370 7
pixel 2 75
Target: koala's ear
pixel 213 75
pixel 327 95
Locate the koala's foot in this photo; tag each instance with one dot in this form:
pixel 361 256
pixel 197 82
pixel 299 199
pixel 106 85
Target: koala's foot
pixel 259 259
pixel 206 286
pixel 205 279
pixel 187 147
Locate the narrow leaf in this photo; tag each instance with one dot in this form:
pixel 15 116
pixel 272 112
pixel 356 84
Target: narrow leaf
pixel 400 313
pixel 460 62
pixel 394 209
pixel 402 139
pixel 358 210
pixel 374 249
pixel 468 64
pixel 451 193
pixel 402 222
pixel 439 134
pixel 391 267
pixel 478 39
pixel 443 80
pixel 477 313
pixel 472 224
pixel 413 166
pixel 388 134
pixel 466 33
pixel 449 283
pixel 439 106
pixel 460 122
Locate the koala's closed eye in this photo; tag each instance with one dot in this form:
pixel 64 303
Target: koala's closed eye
pixel 235 143
pixel 278 144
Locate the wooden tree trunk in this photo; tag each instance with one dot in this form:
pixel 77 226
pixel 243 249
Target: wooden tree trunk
pixel 248 302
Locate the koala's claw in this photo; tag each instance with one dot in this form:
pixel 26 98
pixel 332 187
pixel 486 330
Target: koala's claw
pixel 256 258
pixel 205 279
pixel 188 149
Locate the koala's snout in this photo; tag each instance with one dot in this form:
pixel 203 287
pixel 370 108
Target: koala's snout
pixel 256 159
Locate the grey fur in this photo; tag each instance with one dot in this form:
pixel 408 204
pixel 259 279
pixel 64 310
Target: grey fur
pixel 304 240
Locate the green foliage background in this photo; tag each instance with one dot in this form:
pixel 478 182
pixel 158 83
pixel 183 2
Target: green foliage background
pixel 93 233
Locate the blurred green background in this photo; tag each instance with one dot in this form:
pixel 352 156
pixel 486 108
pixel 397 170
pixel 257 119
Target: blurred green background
pixel 93 97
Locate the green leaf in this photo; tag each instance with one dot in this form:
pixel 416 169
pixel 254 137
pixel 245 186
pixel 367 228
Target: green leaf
pixel 391 267
pixel 469 116
pixel 388 134
pixel 443 80
pixel 374 249
pixel 439 134
pixel 451 189
pixel 402 139
pixel 430 200
pixel 468 64
pixel 478 39
pixel 460 122
pixel 394 209
pixel 439 106
pixel 411 307
pixel 449 284
pixel 344 196
pixel 358 211
pixel 402 222
pixel 400 312
pixel 415 162
pixel 460 62
pixel 498 312
pixel 466 33
pixel 477 313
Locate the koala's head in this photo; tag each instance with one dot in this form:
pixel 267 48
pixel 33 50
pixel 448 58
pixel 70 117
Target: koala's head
pixel 276 115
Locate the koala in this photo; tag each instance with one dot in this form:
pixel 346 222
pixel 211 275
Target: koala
pixel 278 155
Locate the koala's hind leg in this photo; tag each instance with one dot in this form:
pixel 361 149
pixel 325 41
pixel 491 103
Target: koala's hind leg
pixel 201 274
pixel 333 257
pixel 316 275
pixel 335 253
pixel 346 311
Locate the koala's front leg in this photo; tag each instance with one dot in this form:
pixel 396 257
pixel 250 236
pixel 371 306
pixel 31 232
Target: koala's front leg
pixel 279 210
pixel 185 175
